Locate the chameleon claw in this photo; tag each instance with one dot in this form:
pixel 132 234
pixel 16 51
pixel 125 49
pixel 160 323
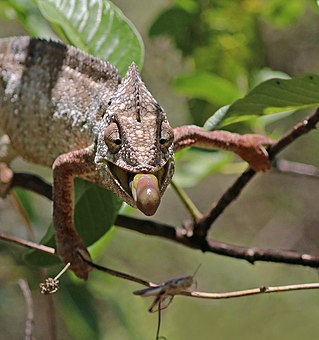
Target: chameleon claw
pixel 252 150
pixel 146 193
pixel 71 249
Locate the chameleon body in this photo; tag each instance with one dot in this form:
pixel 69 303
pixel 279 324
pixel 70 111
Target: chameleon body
pixel 67 110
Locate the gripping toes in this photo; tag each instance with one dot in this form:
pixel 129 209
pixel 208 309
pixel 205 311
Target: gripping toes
pixel 252 150
pixel 72 250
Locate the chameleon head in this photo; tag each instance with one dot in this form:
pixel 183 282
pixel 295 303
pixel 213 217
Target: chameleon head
pixel 135 145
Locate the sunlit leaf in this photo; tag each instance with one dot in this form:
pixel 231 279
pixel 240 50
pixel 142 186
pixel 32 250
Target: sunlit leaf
pixel 215 120
pixel 175 22
pixel 98 28
pixel 188 5
pixel 29 17
pixel 267 73
pixel 283 13
pixel 274 96
pixel 210 87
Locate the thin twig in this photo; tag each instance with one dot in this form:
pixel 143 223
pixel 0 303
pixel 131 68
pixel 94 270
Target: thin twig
pixel 188 203
pixel 65 268
pixel 51 251
pixel 203 225
pixel 49 308
pixel 204 295
pixel 253 291
pixel 27 244
pixel 51 285
pixel 295 168
pixel 300 129
pixel 30 316
pixel 196 294
pixel 118 273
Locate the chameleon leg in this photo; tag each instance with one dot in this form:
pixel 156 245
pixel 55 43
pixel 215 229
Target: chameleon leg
pixel 7 154
pixel 249 147
pixel 69 243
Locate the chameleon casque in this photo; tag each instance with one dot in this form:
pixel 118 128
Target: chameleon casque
pixel 67 110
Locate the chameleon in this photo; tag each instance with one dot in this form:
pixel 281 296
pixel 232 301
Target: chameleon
pixel 65 109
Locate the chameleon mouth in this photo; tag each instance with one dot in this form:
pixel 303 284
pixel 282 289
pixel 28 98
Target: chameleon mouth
pixel 144 188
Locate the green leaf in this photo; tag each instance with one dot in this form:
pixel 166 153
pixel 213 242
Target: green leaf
pixel 94 214
pixel 188 5
pixel 215 120
pixel 95 210
pixel 194 165
pixel 267 73
pixel 25 199
pixel 274 96
pixel 78 309
pixel 176 23
pixel 29 17
pixel 98 28
pixel 283 13
pixel 210 87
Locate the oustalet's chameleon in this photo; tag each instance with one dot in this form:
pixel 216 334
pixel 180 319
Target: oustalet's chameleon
pixel 65 109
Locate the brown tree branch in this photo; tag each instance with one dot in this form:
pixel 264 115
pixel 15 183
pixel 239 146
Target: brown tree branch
pixel 300 129
pixel 181 236
pixel 33 183
pixel 202 226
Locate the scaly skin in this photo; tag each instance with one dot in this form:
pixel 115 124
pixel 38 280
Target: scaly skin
pixel 67 110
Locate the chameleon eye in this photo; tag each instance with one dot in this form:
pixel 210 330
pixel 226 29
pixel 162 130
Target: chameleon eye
pixel 166 137
pixel 112 137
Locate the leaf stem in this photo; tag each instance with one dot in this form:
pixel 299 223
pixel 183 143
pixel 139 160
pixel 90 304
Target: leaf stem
pixel 188 203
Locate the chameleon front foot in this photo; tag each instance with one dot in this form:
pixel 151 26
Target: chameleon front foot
pixel 251 148
pixel 6 177
pixel 72 250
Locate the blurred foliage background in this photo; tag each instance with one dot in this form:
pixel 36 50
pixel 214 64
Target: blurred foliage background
pixel 199 56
